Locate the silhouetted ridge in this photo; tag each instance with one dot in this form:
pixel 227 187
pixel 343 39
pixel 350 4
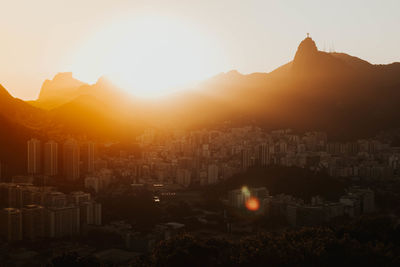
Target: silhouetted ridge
pixel 306 57
pixel 332 92
pixel 61 89
pixel 309 62
pixel 4 92
pixel 306 49
pixel 63 76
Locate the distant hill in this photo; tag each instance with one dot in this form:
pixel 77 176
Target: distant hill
pixel 19 122
pixel 19 111
pixel 61 89
pixel 334 92
pixel 343 95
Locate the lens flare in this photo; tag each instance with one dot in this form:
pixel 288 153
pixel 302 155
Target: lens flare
pixel 253 204
pixel 245 191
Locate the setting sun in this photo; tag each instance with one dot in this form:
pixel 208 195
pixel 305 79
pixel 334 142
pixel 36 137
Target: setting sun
pixel 147 56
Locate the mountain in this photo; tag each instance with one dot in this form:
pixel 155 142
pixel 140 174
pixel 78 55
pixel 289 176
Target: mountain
pixel 90 117
pixel 19 122
pixel 19 111
pixel 61 89
pixel 334 92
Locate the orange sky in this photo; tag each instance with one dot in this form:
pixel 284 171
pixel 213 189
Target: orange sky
pixel 43 37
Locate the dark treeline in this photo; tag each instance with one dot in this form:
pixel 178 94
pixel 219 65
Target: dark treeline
pixel 364 242
pixel 367 241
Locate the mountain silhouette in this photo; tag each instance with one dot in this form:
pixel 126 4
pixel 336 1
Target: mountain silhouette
pixel 61 89
pixel 19 111
pixel 334 92
pixel 19 122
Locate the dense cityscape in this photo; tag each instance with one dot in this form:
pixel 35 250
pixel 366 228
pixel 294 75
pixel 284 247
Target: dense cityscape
pixel 173 170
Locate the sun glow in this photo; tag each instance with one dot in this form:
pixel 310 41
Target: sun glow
pixel 148 56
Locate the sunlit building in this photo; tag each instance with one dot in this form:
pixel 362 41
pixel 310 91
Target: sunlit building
pixel 71 158
pixel 51 158
pixel 34 156
pixel 88 156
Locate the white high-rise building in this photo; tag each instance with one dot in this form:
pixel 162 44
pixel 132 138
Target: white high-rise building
pixel 71 158
pixel 212 174
pixel 88 157
pixel 34 156
pixel 51 158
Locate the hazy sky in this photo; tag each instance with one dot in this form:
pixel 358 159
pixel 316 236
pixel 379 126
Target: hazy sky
pixel 42 37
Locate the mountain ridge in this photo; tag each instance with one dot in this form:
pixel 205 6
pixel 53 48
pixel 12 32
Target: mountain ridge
pixel 288 95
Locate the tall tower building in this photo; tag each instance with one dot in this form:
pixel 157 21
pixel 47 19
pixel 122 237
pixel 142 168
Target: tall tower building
pixel 246 159
pixel 33 221
pixel 3 168
pixel 51 158
pixel 34 156
pixel 264 154
pixel 11 224
pixel 71 159
pixel 8 195
pixel 88 157
pixel 212 174
pixel 63 221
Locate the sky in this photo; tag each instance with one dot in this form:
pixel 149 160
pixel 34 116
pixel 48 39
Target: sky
pixel 195 38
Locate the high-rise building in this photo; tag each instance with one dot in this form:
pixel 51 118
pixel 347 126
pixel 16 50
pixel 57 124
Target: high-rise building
pixel 25 195
pixel 34 156
pixel 63 221
pixel 71 158
pixel 1 172
pixel 246 158
pixel 51 158
pixel 212 174
pixel 11 224
pixel 78 197
pixel 183 177
pixel 8 195
pixel 264 154
pixel 33 222
pixel 88 156
pixel 56 199
pixel 90 213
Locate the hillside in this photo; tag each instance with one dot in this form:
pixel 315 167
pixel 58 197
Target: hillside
pixel 333 92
